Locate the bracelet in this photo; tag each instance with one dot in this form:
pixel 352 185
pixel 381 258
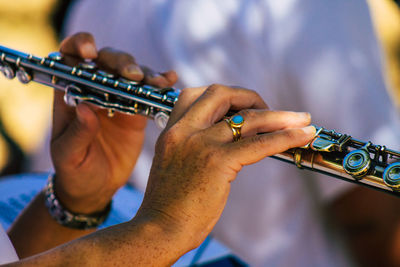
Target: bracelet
pixel 68 218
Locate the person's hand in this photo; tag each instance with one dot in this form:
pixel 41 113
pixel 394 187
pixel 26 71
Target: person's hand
pixel 196 158
pixel 93 154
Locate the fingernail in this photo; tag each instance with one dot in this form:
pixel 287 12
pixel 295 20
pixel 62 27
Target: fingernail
pixel 309 130
pixel 134 69
pixel 305 115
pixel 89 50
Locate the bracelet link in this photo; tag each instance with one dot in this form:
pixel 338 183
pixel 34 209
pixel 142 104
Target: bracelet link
pixel 68 218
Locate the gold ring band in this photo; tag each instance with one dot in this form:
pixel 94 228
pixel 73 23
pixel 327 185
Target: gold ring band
pixel 235 123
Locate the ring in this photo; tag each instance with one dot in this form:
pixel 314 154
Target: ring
pixel 236 122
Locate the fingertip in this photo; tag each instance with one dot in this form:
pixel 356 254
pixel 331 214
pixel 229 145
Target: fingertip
pixel 301 118
pixel 294 119
pixel 306 116
pixel 88 50
pixel 309 130
pixel 133 71
pixel 171 76
pixel 303 115
pixel 81 44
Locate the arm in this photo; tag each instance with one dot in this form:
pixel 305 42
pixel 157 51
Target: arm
pixel 90 160
pixel 190 178
pixel 141 242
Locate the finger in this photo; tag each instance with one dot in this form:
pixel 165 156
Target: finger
pixel 80 45
pixel 250 150
pixel 260 121
pixel 159 79
pixel 216 101
pixel 186 98
pixel 171 77
pixel 120 63
pixel 72 144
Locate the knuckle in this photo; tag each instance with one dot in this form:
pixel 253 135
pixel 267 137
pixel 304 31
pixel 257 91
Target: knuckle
pixel 248 114
pixel 124 58
pixel 264 140
pixel 107 53
pixel 254 93
pixel 248 91
pixel 291 134
pixel 170 136
pixel 120 55
pixel 260 140
pixel 215 88
pixel 128 57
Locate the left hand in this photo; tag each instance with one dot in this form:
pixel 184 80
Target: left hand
pixel 93 154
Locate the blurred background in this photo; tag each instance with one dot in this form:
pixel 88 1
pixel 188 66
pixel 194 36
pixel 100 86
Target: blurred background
pixel 34 27
pixel 25 110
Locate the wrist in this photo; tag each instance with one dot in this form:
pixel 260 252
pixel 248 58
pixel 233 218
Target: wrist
pixel 77 202
pixel 184 236
pixel 67 217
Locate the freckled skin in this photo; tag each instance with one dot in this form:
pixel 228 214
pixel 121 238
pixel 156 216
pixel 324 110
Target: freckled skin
pixel 189 183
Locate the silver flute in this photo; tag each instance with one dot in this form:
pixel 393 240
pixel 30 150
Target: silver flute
pixel 331 153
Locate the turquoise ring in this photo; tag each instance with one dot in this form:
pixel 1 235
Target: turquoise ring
pixel 235 123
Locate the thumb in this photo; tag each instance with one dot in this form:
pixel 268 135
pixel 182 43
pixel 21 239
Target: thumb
pixel 72 145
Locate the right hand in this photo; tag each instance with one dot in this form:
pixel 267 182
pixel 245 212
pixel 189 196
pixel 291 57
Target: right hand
pixel 196 159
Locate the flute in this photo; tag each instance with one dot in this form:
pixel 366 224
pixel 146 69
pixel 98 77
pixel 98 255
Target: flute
pixel 331 153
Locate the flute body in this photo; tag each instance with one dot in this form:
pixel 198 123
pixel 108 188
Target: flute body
pixel 331 153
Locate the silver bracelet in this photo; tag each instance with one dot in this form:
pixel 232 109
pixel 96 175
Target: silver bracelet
pixel 68 218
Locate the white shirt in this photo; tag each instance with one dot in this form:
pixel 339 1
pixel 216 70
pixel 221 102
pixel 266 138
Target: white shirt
pixel 7 251
pixel 304 55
